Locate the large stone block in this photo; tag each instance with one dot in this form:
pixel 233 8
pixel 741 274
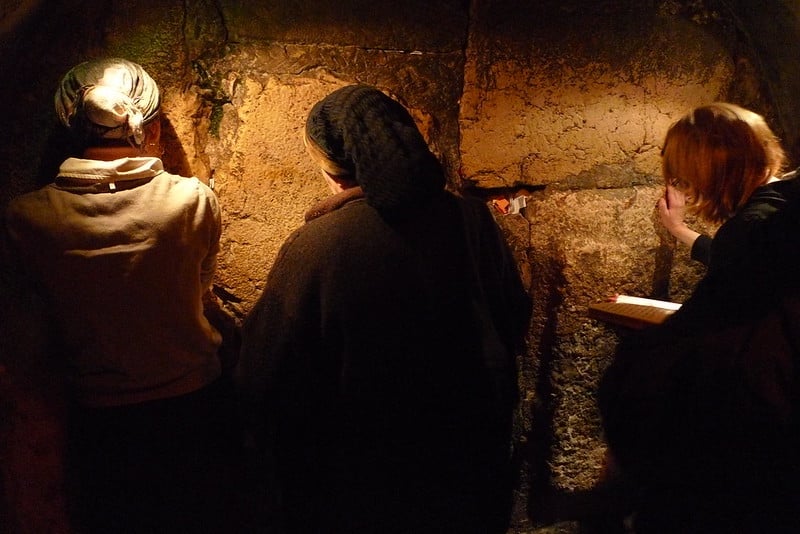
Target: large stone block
pixel 416 25
pixel 565 96
pixel 259 98
pixel 584 247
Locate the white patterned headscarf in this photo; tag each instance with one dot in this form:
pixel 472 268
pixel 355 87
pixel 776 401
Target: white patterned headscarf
pixel 107 99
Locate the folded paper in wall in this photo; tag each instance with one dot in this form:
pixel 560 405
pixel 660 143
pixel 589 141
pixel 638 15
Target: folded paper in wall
pixel 632 312
pixel 510 206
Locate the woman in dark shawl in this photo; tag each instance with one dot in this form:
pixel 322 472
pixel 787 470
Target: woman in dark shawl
pixel 378 363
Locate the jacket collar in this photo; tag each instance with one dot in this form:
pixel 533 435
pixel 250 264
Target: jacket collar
pixel 334 202
pixel 90 174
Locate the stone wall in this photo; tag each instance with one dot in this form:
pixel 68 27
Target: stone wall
pixel 562 102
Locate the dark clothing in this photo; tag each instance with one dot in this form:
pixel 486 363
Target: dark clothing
pixel 701 412
pixel 379 368
pixel 764 201
pixel 701 249
pixel 373 140
pixel 158 466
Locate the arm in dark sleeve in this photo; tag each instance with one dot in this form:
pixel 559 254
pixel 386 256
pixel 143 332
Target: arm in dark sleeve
pixel 510 303
pixel 265 344
pixel 518 303
pixel 701 249
pixel 285 372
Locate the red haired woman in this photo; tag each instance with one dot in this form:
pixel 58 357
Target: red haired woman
pixel 701 412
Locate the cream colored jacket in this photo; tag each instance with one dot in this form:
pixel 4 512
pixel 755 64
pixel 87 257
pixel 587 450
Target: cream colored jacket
pixel 122 252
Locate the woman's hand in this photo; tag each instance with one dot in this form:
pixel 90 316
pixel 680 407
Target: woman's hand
pixel 671 211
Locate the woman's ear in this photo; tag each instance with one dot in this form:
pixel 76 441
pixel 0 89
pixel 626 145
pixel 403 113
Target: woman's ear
pixel 152 145
pixel 153 130
pixel 337 184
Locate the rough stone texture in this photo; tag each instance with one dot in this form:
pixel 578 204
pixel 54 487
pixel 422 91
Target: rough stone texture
pixel 12 11
pixel 772 31
pixel 539 106
pixel 588 245
pixel 264 178
pixel 562 101
pixel 413 25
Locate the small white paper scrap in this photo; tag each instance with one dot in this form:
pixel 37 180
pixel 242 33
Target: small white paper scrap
pixel 518 203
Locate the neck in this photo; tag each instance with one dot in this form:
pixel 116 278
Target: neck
pixel 109 153
pixel 337 184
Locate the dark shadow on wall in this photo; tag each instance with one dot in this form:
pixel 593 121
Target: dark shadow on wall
pixel 602 509
pixel 34 54
pixel 540 439
pixel 665 255
pixel 773 31
pixel 174 157
pixel 58 147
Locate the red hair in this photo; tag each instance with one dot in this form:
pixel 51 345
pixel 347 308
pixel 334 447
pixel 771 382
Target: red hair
pixel 718 155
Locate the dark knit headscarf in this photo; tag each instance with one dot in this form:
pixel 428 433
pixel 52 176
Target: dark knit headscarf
pixel 110 98
pixel 376 141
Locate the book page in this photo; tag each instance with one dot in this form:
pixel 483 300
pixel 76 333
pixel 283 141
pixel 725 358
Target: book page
pixel 663 304
pixel 632 314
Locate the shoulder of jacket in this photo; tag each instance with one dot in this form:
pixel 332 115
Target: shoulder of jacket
pixel 22 204
pixel 187 183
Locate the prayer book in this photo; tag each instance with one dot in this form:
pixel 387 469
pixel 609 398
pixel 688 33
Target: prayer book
pixel 632 312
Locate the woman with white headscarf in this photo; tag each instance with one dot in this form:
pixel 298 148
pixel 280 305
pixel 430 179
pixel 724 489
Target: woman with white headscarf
pixel 122 253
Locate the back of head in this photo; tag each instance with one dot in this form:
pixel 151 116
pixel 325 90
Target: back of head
pixel 107 99
pixel 719 154
pixel 371 137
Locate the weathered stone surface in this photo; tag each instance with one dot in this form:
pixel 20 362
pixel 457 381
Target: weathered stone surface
pixel 584 247
pixel 14 11
pixel 540 106
pixel 267 188
pixel 577 461
pixel 416 25
pixel 774 31
pixel 570 98
pixel 601 241
pixel 264 178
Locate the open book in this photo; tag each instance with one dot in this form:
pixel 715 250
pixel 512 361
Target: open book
pixel 632 312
